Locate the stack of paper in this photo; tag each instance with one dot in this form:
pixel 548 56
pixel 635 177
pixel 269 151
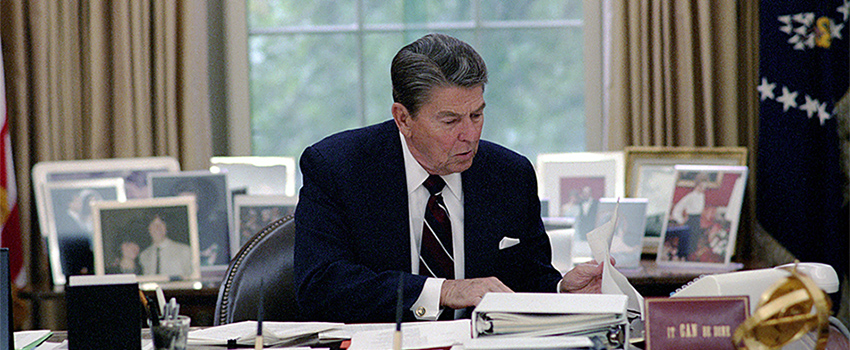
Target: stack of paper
pixel 415 335
pixel 542 314
pixel 274 333
pixel 26 340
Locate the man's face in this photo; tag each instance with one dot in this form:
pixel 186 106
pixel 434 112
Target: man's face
pixel 443 136
pixel 157 229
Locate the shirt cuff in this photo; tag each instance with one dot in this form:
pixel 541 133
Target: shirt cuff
pixel 427 306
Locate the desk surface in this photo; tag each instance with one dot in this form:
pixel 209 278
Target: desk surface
pixel 60 336
pixel 650 280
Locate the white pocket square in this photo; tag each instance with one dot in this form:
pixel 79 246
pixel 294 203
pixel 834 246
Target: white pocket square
pixel 508 242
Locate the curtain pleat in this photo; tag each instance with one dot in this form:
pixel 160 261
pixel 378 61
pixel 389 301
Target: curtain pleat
pixel 676 78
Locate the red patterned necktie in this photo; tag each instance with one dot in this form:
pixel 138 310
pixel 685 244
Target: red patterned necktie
pixel 435 254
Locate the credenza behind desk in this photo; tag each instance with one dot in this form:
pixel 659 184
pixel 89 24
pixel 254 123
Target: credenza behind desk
pixel 199 304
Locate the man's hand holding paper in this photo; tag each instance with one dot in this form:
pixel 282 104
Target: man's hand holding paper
pixel 584 278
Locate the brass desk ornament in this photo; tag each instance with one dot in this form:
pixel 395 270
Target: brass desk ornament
pixel 791 308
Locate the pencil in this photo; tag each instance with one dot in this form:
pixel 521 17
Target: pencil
pixel 398 312
pixel 258 341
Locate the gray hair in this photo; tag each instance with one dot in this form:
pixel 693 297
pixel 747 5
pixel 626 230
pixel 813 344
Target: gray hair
pixel 435 60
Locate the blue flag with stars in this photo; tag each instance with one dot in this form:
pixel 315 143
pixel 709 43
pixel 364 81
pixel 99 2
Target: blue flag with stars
pixel 803 91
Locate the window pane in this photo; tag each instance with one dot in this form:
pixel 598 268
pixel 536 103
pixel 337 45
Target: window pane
pixel 280 13
pixel 535 98
pixel 378 52
pixel 302 89
pixel 523 10
pixel 416 12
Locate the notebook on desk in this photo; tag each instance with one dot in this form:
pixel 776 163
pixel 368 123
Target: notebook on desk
pixel 6 324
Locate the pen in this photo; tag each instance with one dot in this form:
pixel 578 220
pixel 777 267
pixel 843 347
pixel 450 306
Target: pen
pixel 160 298
pixel 398 312
pixel 171 310
pixel 258 341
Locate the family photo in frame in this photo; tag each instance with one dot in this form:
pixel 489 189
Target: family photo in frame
pixel 650 173
pixel 213 210
pixel 71 224
pixel 702 221
pixel 154 238
pixel 567 179
pixel 254 212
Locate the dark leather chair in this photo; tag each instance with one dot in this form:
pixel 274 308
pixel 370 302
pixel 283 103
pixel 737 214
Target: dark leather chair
pixel 268 257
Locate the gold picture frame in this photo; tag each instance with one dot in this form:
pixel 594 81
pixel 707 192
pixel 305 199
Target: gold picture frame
pixel 649 173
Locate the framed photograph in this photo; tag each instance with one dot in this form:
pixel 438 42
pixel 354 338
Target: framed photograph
pixel 70 225
pixel 627 243
pixel 260 175
pixel 213 216
pixel 701 224
pixel 133 170
pixel 254 213
pixel 650 174
pixel 569 181
pixel 154 238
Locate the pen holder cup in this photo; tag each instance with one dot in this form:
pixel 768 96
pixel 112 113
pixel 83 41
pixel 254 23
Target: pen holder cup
pixel 171 334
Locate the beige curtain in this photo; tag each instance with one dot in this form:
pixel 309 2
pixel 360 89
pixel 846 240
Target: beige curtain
pixel 684 73
pixel 103 79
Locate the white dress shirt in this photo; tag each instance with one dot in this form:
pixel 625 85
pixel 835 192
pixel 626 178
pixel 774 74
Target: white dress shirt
pixel 691 204
pixel 175 259
pixel 427 306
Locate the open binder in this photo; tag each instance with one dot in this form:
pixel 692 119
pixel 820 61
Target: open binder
pixel 543 314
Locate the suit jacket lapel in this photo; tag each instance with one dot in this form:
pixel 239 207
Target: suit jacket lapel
pixel 394 200
pixel 475 226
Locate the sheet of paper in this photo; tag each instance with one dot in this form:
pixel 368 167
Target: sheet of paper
pixel 613 281
pixel 349 330
pixel 248 329
pixel 24 339
pixel 415 335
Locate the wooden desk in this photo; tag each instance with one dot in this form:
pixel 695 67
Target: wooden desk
pixel 655 281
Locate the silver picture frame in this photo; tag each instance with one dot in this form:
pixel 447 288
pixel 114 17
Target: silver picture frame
pixel 70 229
pixel 133 170
pixel 259 175
pixel 213 200
pixel 701 225
pixel 254 213
pixel 131 231
pixel 564 177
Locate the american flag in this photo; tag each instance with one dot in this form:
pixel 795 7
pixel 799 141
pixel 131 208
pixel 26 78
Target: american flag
pixel 10 237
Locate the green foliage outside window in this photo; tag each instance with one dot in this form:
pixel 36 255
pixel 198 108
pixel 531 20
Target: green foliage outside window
pixel 319 67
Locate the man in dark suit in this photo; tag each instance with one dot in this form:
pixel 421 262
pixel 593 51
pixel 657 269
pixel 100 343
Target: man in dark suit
pixel 363 209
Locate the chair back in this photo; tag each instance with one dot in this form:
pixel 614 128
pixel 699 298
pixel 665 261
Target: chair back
pixel 268 257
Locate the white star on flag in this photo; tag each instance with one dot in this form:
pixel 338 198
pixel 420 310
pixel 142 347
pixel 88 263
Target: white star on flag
pixel 787 28
pixel 787 99
pixel 810 107
pixel 766 89
pixel 836 30
pixel 844 10
pixel 806 18
pixel 822 113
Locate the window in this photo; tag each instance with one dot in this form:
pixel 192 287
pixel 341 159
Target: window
pixel 319 67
